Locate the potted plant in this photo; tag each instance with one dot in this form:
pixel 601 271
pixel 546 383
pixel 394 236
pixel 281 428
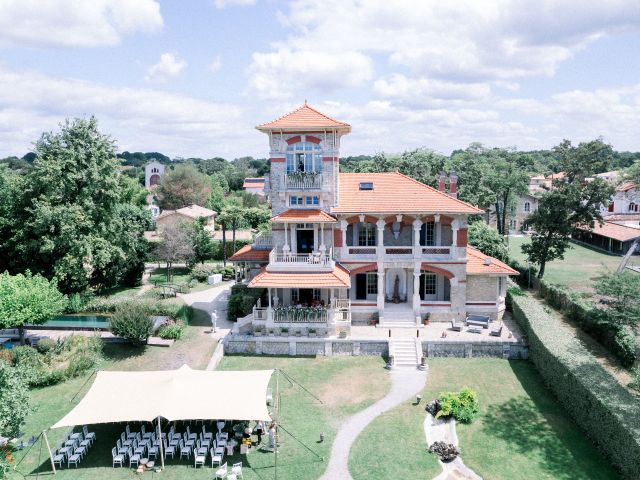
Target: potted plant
pixel 284 332
pixel 426 319
pixel 312 332
pixel 272 333
pixel 342 333
pixel 257 332
pixel 298 333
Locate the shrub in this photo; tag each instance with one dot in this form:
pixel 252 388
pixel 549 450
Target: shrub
pixel 606 410
pixel 200 272
pixel 463 406
pixel 635 379
pixel 171 330
pixel 132 322
pixel 433 407
pixel 46 345
pixel 241 301
pixel 6 356
pixel 447 452
pixel 76 303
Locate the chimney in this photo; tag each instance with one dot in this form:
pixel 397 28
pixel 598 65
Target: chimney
pixel 453 184
pixel 442 178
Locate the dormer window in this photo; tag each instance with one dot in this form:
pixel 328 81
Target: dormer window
pixel 366 185
pixel 304 157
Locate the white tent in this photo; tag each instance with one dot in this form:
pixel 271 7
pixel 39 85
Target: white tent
pixel 182 394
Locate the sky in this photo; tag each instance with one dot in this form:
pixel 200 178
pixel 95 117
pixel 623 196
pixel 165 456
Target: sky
pixel 192 78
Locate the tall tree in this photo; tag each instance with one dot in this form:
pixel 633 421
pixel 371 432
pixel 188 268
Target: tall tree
pixel 182 187
pixel 14 402
pixel 623 292
pixel 488 240
pixel 568 204
pixel 584 160
pixel 175 246
pixel 65 208
pixel 232 215
pixel 201 241
pixel 28 300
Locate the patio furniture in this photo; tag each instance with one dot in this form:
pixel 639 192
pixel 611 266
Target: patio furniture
pixel 496 331
pixel 153 451
pixel 169 450
pixel 117 458
pixel 139 448
pixel 59 458
pixel 216 457
pixel 91 436
pixel 185 451
pixel 474 329
pixel 75 459
pixel 456 325
pixel 65 450
pixel 82 451
pixel 122 450
pixel 126 442
pixel 479 320
pixel 130 435
pixel 199 459
pixel 207 435
pixel 191 436
pixel 221 472
pixel 237 470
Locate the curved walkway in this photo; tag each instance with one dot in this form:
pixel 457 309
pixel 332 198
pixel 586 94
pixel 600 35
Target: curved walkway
pixel 405 383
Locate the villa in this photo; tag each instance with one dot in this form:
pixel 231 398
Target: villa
pixel 362 248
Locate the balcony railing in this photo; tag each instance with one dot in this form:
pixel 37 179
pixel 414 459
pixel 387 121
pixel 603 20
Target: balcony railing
pixel 436 250
pixel 302 181
pixel 398 252
pixel 300 315
pixel 263 241
pixel 339 311
pixel 297 261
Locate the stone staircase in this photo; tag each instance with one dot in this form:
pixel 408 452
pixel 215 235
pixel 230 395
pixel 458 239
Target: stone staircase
pixel 398 318
pixel 406 352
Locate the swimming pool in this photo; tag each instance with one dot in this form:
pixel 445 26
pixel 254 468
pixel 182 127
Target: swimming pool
pixel 78 322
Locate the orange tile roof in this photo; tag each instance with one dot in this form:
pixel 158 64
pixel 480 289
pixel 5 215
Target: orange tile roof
pixel 615 231
pixel 304 216
pixel 249 254
pixel 477 264
pixel 339 278
pixel 626 186
pixel 304 118
pixel 394 193
pixel 250 182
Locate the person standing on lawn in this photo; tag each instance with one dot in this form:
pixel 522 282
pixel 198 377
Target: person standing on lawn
pixel 259 430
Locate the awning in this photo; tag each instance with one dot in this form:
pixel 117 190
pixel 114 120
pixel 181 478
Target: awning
pixel 304 216
pixel 182 394
pixel 337 278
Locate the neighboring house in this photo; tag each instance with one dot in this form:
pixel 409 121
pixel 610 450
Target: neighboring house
pixel 526 204
pixel 625 202
pixel 360 246
pixel 152 174
pixel 186 215
pixel 610 236
pixel 254 185
pixel 154 209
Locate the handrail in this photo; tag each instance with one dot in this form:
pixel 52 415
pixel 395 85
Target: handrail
pixel 303 183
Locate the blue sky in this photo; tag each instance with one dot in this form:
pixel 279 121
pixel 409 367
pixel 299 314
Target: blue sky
pixel 193 78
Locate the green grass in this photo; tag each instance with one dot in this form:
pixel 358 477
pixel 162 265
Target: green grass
pixel 579 269
pixel 521 433
pixel 345 384
pixel 179 275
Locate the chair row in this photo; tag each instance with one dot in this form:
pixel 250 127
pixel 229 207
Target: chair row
pixel 74 448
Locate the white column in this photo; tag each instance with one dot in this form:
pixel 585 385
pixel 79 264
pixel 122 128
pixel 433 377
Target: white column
pixel 343 233
pixel 323 248
pixel 416 289
pixel 417 225
pixel 380 299
pixel 380 237
pixel 286 248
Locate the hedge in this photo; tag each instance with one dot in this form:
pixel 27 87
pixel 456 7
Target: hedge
pixel 617 339
pixel 242 301
pixel 602 407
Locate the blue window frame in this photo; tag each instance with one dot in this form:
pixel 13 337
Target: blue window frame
pixel 315 200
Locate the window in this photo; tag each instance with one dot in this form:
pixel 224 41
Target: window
pixel 295 201
pixel 155 170
pixel 295 295
pixel 366 235
pixel 315 200
pixel 427 234
pixel 372 283
pixel 317 296
pixel 527 207
pixel 366 185
pixel 501 284
pixel 633 207
pixel 513 224
pixel 430 284
pixel 304 157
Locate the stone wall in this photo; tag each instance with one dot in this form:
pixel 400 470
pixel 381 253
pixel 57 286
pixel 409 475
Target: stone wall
pixel 506 350
pixel 482 288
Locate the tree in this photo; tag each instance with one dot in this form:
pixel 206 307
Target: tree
pixel 623 292
pixel 14 401
pixel 182 187
pixel 568 204
pixel 202 243
pixel 257 216
pixel 61 214
pixel 488 240
pixel 175 246
pixel 132 322
pixel 584 160
pixel 232 215
pixel 28 300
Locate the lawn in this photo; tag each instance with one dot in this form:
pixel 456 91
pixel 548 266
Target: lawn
pixel 344 384
pixel 580 267
pixel 521 433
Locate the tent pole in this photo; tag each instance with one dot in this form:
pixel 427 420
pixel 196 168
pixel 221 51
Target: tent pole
pixel 161 444
pixel 46 440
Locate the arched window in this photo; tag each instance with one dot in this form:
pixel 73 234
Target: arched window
pixel 633 207
pixel 304 157
pixel 527 207
pixel 154 170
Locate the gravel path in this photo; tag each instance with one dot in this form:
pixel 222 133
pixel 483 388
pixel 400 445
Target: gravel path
pixel 405 383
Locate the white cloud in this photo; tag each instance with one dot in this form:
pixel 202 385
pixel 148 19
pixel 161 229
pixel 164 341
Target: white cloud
pixel 282 73
pixel 75 23
pixel 139 119
pixel 216 64
pixel 169 65
pixel 220 4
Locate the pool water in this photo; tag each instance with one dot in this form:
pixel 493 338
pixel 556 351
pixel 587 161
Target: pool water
pixel 79 321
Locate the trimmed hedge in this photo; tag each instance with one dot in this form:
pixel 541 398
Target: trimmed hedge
pixel 619 340
pixel 607 411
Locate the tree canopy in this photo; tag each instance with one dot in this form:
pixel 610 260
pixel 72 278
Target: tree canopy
pixel 181 187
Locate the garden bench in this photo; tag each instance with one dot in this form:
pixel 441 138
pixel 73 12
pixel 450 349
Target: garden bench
pixel 479 320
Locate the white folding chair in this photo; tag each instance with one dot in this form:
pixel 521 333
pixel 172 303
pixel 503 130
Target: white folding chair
pixel 184 450
pixel 199 459
pixel 237 470
pixel 117 458
pixel 207 435
pixel 131 435
pixel 74 459
pixel 221 471
pixel 191 436
pixel 91 436
pixel 134 458
pixel 59 458
pixel 216 457
pixel 169 450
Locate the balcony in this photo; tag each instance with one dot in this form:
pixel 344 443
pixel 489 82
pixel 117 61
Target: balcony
pixel 302 181
pixel 291 262
pixel 337 314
